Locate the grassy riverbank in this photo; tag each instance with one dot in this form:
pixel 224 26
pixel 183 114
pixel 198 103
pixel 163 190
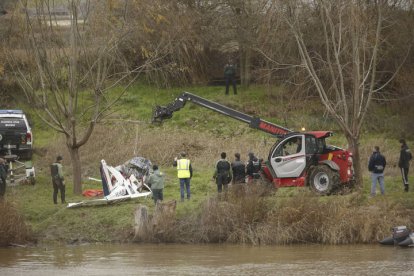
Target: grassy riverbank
pixel 255 216
pixel 290 215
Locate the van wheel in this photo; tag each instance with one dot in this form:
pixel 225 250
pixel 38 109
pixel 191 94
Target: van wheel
pixel 323 180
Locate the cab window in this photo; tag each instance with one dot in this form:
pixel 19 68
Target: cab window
pixel 314 145
pixel 311 145
pixel 291 146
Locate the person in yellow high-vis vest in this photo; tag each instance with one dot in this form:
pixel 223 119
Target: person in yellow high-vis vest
pixel 184 173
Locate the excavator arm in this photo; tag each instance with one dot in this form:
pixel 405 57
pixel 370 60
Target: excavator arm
pixel 161 113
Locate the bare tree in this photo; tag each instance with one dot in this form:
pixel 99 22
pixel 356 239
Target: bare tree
pixel 343 61
pixel 76 67
pixel 176 26
pixel 241 20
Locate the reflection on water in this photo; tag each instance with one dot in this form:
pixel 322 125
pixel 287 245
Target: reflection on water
pixel 139 259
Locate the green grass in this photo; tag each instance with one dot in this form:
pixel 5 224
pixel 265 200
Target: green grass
pixel 203 129
pixel 52 222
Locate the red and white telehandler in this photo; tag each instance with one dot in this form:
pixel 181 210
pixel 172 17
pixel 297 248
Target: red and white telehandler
pixel 296 159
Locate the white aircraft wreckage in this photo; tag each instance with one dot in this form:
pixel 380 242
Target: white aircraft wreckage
pixel 121 183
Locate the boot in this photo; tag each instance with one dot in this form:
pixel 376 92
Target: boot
pixel 405 187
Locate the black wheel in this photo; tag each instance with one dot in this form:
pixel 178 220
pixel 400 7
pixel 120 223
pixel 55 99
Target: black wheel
pixel 323 180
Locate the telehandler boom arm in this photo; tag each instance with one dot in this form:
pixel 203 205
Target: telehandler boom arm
pixel 161 113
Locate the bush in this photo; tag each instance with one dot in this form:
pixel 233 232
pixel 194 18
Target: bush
pixel 253 216
pixel 13 229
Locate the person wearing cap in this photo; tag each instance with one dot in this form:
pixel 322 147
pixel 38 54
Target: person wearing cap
pixel 156 182
pixel 3 176
pixel 239 170
pixel 184 174
pixel 56 171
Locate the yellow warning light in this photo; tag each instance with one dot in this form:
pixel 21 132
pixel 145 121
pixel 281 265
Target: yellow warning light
pixel 303 129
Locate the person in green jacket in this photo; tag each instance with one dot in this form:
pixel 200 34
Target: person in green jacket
pixel 156 182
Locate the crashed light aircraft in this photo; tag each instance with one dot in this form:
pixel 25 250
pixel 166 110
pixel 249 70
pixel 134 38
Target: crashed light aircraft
pixel 117 187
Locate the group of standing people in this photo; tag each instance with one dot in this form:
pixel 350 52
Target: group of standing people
pixel 235 172
pixel 184 174
pixel 225 173
pixel 377 163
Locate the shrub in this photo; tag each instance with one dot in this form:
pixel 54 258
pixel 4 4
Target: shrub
pixel 12 226
pixel 253 217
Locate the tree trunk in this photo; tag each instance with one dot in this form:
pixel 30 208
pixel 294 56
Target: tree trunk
pixel 241 62
pixel 354 148
pixel 245 59
pixel 76 168
pixel 141 223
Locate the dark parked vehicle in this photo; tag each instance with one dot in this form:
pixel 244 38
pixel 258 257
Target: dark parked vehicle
pixel 15 134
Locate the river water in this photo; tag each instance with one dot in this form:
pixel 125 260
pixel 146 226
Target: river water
pixel 149 259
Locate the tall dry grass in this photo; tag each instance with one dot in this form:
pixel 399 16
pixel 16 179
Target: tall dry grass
pixel 117 143
pixel 251 217
pixel 13 229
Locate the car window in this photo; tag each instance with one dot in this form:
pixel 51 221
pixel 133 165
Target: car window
pixel 7 123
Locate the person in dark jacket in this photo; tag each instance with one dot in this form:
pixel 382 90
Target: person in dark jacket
pixel 376 166
pixel 239 170
pixel 156 182
pixel 404 162
pixel 223 173
pixel 253 167
pixel 58 181
pixel 3 176
pixel 230 76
